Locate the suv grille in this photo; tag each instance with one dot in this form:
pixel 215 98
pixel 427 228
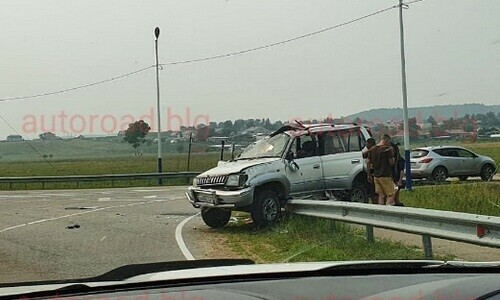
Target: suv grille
pixel 214 180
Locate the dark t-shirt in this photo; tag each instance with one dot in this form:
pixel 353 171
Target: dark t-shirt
pixel 398 167
pixel 379 157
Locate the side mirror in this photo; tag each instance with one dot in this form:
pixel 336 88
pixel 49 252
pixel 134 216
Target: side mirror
pixel 294 167
pixel 289 156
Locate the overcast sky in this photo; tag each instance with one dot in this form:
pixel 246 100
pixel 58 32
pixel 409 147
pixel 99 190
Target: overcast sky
pixel 452 47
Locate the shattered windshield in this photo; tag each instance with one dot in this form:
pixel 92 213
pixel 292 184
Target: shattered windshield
pixel 267 147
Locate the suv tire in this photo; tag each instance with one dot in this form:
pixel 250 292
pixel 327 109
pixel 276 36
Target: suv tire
pixel 439 174
pixel 358 193
pixel 215 217
pixel 487 172
pixel 266 208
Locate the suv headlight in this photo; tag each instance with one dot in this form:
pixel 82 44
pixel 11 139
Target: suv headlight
pixel 236 180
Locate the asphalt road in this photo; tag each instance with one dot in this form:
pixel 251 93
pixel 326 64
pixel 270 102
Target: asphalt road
pixel 116 227
pixel 119 227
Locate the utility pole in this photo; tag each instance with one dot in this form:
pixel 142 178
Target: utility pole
pixel 405 99
pixel 189 149
pixel 158 112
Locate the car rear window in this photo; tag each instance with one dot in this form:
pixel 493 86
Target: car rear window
pixel 418 153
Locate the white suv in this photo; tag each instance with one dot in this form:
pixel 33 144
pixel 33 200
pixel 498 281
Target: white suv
pixel 296 160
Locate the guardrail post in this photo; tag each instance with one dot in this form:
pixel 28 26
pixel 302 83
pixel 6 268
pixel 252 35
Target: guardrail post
pixel 427 243
pixel 43 185
pixel 369 234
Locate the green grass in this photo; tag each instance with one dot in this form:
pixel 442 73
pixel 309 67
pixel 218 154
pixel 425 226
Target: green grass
pixel 301 238
pixel 476 198
pixel 107 165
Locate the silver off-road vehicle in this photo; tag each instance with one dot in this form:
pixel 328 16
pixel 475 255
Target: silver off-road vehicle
pixel 295 161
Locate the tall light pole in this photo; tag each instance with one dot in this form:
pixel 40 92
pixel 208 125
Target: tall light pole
pixel 405 101
pixel 158 111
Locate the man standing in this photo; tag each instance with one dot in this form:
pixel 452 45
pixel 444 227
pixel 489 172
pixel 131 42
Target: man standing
pixel 381 158
pixel 370 143
pixel 398 173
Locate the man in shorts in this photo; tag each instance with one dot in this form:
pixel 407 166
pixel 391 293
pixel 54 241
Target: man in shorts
pixel 381 158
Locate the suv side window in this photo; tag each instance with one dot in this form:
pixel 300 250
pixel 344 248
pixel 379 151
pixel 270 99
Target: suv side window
pixel 351 139
pixel 447 152
pixel 465 153
pixel 332 143
pixel 304 146
pixel 354 141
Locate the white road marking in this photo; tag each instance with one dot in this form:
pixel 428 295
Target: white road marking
pixel 70 215
pixel 57 195
pixel 150 197
pixel 103 238
pixel 104 199
pixel 180 241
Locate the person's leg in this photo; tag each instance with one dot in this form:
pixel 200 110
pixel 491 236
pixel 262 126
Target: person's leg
pixel 379 189
pixel 390 200
pixel 396 196
pixel 388 187
pixel 381 199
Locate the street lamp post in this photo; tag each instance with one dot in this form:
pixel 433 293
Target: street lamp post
pixel 158 112
pixel 405 101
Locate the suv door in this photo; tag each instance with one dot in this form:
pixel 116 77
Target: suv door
pixel 451 160
pixel 341 157
pixel 470 165
pixel 309 176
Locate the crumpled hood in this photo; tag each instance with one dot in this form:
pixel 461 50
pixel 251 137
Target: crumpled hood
pixel 225 168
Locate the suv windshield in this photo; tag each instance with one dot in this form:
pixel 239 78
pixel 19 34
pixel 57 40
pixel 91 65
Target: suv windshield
pixel 266 147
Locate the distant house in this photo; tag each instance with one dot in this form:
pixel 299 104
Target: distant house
pixel 458 133
pixel 121 133
pixel 14 138
pixel 48 136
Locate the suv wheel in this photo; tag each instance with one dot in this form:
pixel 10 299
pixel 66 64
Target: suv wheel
pixel 358 193
pixel 487 172
pixel 215 217
pixel 439 174
pixel 266 208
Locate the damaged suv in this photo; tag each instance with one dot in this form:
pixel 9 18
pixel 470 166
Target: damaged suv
pixel 295 161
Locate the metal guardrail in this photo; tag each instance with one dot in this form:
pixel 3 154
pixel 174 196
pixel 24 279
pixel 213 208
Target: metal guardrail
pixel 461 227
pixel 92 178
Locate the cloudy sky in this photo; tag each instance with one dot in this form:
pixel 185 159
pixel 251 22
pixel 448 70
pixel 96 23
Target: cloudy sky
pixel 453 56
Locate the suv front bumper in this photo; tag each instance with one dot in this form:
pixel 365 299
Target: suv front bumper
pixel 216 198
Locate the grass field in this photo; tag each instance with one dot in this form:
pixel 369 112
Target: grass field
pixel 302 238
pixel 111 156
pixel 107 165
pixel 476 198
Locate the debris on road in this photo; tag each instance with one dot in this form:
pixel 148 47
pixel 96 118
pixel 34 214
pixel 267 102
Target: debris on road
pixel 74 226
pixel 82 207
